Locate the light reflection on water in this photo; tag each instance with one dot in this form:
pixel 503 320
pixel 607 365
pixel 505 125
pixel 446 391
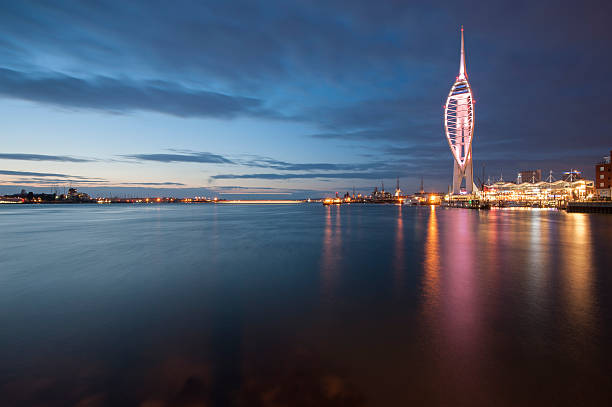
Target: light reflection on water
pixel 399 254
pixel 577 271
pixel 175 305
pixel 431 275
pixel 331 255
pixel 538 263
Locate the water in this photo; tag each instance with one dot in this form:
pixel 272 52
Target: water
pixel 303 305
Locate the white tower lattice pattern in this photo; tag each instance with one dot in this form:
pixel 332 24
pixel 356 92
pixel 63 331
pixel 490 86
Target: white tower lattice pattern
pixel 459 127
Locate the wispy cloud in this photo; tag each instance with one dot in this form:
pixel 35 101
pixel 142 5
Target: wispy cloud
pixel 237 187
pixel 52 181
pixel 191 157
pixel 250 161
pixel 337 175
pixel 47 178
pixel 271 163
pixel 38 174
pixel 125 95
pixel 284 170
pixel 42 157
pixel 153 183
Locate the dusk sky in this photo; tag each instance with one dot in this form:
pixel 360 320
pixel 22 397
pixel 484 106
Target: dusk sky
pixel 294 98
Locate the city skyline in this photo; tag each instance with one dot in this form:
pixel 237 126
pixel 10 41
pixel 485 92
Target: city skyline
pixel 290 100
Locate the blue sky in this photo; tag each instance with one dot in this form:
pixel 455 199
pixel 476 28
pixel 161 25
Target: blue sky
pixel 292 98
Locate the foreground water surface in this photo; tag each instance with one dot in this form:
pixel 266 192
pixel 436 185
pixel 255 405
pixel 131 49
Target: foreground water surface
pixel 303 305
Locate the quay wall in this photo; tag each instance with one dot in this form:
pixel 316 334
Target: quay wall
pixel 590 207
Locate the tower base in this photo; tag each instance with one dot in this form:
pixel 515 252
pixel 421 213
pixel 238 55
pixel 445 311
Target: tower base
pixel 459 175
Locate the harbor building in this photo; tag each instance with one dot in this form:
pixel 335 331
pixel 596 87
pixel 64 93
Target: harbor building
pixel 603 178
pixel 543 193
pixel 532 176
pixel 527 193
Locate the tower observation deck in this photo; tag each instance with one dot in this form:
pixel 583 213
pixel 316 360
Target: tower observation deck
pixel 459 127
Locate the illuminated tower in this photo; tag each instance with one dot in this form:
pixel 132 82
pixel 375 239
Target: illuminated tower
pixel 459 127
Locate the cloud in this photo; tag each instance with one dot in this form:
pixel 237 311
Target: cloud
pixel 48 178
pixel 406 167
pixel 192 157
pixel 36 174
pixel 271 163
pixel 237 187
pixel 125 95
pixel 358 170
pixel 251 161
pixel 359 135
pixel 352 70
pixel 52 178
pixel 51 181
pixel 238 43
pixel 344 175
pixel 152 183
pixel 42 157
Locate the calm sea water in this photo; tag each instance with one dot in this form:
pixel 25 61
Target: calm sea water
pixel 303 305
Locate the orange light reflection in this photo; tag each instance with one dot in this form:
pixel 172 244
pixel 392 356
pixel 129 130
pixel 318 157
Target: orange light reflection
pixel 398 262
pixel 431 284
pixel 330 255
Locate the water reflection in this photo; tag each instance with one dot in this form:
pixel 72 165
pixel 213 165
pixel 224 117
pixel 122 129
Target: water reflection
pixel 538 263
pixel 459 257
pixel 577 271
pixel 494 304
pixel 461 312
pixel 331 251
pixel 398 259
pixel 431 283
pixel 491 257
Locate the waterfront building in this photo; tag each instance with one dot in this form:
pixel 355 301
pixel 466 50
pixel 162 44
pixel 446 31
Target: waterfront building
pixel 541 193
pixel 572 175
pixel 532 176
pixel 459 127
pixel 603 178
pixel 76 196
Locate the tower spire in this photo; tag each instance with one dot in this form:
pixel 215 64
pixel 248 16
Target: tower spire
pixel 462 71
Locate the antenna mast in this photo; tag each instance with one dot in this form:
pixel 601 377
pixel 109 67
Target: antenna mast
pixel 462 70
